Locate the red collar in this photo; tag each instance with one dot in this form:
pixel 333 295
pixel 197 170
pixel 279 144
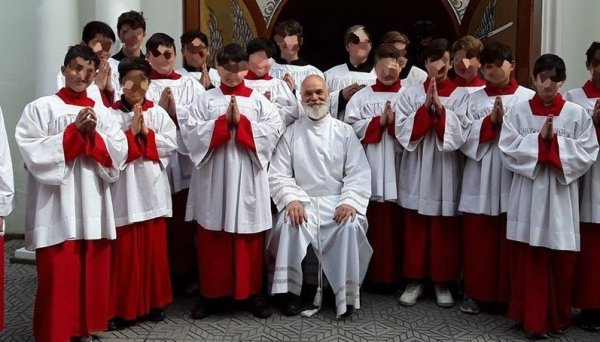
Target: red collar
pixel 154 75
pixel 239 90
pixel 590 90
pixel 444 89
pixel 147 104
pixel 74 98
pixel 477 81
pixel 539 108
pixel 379 87
pixel 252 76
pixel 510 88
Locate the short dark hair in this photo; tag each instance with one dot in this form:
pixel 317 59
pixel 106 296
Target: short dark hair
pixel 436 49
pixel 393 37
pixel 494 51
pixel 260 44
pixel 188 36
pixel 134 63
pixel 591 52
pixel 387 51
pixel 159 39
pixel 91 29
pixel 231 53
pixel 549 62
pixel 289 27
pixel 134 19
pixel 82 51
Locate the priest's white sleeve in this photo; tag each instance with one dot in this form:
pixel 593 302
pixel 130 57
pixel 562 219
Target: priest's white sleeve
pixel 578 153
pixel 356 190
pixel 7 188
pixel 519 152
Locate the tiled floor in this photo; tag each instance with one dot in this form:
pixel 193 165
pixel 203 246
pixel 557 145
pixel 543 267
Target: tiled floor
pixel 380 319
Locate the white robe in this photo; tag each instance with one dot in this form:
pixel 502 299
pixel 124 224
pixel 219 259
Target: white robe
pixel 281 96
pixel 142 191
pixel 486 182
pixel 338 173
pixel 298 72
pixel 185 92
pixel 66 200
pixel 415 76
pixel 431 169
pixel 229 189
pixel 384 156
pixel 7 187
pixel 590 182
pixel 543 205
pixel 338 78
pixel 213 74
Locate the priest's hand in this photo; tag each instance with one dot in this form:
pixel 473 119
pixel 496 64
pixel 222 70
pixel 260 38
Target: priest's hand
pixel 497 112
pixel 596 113
pixel 547 132
pixel 268 95
pixel 344 213
pixel 86 120
pixel 296 213
pixel 167 102
pixel 289 81
pixel 349 91
pixel 233 112
pixel 205 78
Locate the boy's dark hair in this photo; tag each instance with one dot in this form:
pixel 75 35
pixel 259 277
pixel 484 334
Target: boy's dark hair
pixel 91 29
pixel 82 51
pixel 550 62
pixel 436 49
pixel 260 44
pixel 393 37
pixel 386 51
pixel 289 27
pixel 591 52
pixel 231 53
pixel 494 51
pixel 134 63
pixel 159 39
pixel 134 19
pixel 188 36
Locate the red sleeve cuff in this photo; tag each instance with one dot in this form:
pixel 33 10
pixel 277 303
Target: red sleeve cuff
pixel 391 129
pixel 374 131
pixel 244 134
pixel 151 151
pixel 548 152
pixel 422 123
pixel 440 124
pixel 97 150
pixel 221 133
pixel 488 131
pixel 133 147
pixel 108 97
pixel 73 142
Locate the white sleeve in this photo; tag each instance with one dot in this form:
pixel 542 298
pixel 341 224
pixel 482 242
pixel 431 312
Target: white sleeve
pixel 406 110
pixel 355 117
pixel 356 190
pixel 577 154
pixel 165 136
pixel 7 188
pixel 266 133
pixel 114 138
pixel 196 132
pixel 287 104
pixel 519 152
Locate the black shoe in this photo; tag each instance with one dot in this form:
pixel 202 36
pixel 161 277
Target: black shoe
pixel 115 324
pixel 349 311
pixel 201 309
pixel 292 305
pixel 91 338
pixel 259 307
pixel 589 321
pixel 156 315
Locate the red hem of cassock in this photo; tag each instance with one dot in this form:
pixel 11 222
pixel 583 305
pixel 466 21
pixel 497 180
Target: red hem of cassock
pixel 181 238
pixel 541 284
pixel 384 234
pixel 140 269
pixel 73 289
pixel 586 293
pixel 486 272
pixel 2 284
pixel 230 264
pixel 432 247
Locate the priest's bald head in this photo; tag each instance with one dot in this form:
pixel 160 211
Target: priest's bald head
pixel 315 97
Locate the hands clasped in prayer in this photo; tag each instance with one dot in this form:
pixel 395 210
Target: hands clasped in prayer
pixel 167 102
pixel 86 121
pixel 103 77
pixel 233 112
pixel 497 112
pixel 547 132
pixel 138 125
pixel 388 115
pixel 432 99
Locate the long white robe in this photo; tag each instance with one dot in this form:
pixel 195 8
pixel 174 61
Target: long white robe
pixel 590 182
pixel 486 182
pixel 229 189
pixel 215 79
pixel 142 191
pixel 430 171
pixel 337 173
pixel 66 200
pixel 543 205
pixel 185 92
pixel 281 96
pixel 383 157
pixel 7 187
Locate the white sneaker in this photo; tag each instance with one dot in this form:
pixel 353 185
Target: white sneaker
pixel 410 295
pixel 443 296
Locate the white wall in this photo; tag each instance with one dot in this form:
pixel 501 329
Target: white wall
pixel 164 16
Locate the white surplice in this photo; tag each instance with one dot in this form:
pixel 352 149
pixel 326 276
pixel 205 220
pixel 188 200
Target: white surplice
pixel 543 204
pixel 281 96
pixel 322 165
pixel 7 187
pixel 142 191
pixel 229 189
pixel 66 200
pixel 213 74
pixel 298 72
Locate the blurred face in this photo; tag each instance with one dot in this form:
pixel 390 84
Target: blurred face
pixel 259 63
pixel 196 53
pixel 403 52
pixel 387 70
pixel 101 46
pixel 547 84
pixel 162 59
pixel 359 45
pixel 131 38
pixel 135 84
pixel 439 68
pixel 594 67
pixel 288 45
pixel 315 97
pixel 232 73
pixel 498 73
pixel 79 74
pixel 464 66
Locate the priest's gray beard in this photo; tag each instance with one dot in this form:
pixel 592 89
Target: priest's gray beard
pixel 317 110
